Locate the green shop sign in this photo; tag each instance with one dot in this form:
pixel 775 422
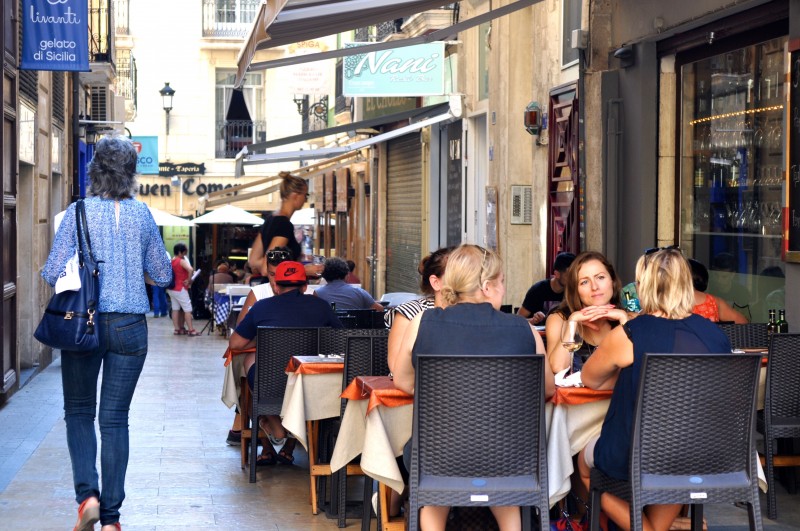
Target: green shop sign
pixel 408 71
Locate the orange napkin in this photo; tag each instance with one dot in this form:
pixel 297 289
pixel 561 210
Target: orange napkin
pixel 578 395
pixel 313 365
pixel 230 353
pixel 379 389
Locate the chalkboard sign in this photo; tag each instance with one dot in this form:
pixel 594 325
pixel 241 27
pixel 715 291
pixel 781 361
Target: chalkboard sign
pixel 793 125
pixel 454 184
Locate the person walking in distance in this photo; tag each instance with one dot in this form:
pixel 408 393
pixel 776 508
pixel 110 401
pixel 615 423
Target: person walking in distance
pixel 130 252
pixel 179 294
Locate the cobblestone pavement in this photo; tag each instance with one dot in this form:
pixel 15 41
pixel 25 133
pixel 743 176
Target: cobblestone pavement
pixel 181 474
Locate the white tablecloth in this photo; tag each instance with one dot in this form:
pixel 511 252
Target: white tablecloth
pixel 310 397
pixel 379 437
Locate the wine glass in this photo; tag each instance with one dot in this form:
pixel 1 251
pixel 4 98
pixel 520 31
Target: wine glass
pixel 571 339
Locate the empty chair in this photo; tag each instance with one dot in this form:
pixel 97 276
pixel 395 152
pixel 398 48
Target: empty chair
pixel 692 439
pixel 507 393
pixel 750 335
pixel 781 407
pixel 274 348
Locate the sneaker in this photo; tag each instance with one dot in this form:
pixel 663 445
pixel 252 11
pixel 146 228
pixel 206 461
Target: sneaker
pixel 234 438
pixel 88 514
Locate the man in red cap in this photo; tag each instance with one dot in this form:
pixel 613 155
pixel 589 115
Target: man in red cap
pixel 289 307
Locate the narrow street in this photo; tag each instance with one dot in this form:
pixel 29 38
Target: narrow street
pixel 182 474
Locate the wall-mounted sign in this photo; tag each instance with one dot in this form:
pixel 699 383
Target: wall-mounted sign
pixel 27 134
pixel 308 78
pixel 369 108
pixel 408 71
pixel 147 148
pixel 168 169
pixel 54 35
pixel 187 186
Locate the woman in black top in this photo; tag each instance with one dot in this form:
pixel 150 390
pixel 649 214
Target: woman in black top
pixel 278 230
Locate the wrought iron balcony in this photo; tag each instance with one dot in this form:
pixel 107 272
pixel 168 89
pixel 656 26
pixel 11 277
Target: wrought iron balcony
pixel 122 12
pixel 126 84
pixel 379 32
pixel 101 32
pixel 229 18
pixel 233 135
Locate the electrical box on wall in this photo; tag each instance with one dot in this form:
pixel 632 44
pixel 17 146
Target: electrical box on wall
pixel 521 205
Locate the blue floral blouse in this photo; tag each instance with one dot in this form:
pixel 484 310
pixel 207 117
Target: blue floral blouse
pixel 127 250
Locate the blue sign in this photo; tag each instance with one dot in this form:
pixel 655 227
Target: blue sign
pixel 55 35
pixel 416 70
pixel 147 148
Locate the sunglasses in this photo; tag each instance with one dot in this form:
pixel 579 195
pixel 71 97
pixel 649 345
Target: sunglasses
pixel 653 250
pixel 276 257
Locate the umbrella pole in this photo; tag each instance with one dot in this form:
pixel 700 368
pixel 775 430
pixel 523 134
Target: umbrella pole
pixel 213 244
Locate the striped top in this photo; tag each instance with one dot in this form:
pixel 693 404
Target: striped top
pixel 409 310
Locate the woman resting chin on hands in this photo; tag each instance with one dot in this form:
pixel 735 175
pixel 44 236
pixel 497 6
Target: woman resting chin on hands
pixel 591 297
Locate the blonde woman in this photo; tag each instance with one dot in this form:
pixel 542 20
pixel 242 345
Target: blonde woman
pixel 278 231
pixel 470 323
pixel 666 324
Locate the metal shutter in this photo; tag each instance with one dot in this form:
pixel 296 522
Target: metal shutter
pixel 403 213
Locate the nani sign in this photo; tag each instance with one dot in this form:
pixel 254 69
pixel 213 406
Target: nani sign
pixel 408 71
pixel 55 35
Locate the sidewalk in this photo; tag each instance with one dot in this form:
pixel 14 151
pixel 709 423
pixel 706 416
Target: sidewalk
pixel 181 474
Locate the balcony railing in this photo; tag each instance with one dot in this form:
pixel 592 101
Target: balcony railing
pixel 101 31
pixel 126 85
pixel 229 18
pixel 122 12
pixel 379 32
pixel 233 135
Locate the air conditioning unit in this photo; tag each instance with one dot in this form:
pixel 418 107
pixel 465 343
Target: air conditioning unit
pixel 101 108
pixel 521 205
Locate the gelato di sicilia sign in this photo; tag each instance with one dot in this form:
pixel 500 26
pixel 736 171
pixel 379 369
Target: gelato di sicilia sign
pixel 408 71
pixel 55 35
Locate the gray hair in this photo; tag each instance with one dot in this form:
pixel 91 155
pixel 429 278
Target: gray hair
pixel 112 170
pixel 335 269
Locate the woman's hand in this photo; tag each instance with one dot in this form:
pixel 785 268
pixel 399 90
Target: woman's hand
pixel 591 314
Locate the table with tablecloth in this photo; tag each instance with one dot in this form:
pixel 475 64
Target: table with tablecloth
pixel 376 424
pixel 313 387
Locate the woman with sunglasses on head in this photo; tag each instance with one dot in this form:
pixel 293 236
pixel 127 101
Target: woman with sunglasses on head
pixel 470 323
pixel 278 230
pixel 591 297
pixel 666 324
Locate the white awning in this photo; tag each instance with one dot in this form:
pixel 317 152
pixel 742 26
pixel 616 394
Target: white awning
pixel 323 153
pixel 290 21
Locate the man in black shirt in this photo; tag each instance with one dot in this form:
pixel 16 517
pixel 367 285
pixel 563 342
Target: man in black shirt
pixel 546 294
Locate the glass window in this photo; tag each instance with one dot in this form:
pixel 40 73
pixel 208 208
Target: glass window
pixel 484 47
pixel 239 113
pixel 733 171
pixel 570 20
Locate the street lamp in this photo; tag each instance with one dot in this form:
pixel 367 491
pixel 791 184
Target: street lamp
pixel 167 93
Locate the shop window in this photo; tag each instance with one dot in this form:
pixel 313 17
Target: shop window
pixel 733 173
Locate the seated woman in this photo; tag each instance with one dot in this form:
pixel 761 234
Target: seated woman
pixel 431 270
pixel 471 323
pixel 706 304
pixel 666 324
pixel 591 297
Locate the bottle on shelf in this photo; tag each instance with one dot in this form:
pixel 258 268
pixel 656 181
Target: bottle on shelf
pixel 772 325
pixel 782 325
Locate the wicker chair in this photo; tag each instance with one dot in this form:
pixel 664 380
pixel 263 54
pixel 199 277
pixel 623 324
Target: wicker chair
pixel 781 408
pixel 366 356
pixel 274 348
pixel 507 394
pixel 692 440
pixel 750 335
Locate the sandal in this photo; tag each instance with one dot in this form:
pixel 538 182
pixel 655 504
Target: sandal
pixel 88 514
pixel 177 332
pixel 268 459
pixel 285 454
pixel 192 333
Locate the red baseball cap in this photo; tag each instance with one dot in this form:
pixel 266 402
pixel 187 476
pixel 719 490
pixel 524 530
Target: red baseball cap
pixel 290 274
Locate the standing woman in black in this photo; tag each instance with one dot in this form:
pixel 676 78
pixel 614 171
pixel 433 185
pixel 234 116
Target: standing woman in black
pixel 278 231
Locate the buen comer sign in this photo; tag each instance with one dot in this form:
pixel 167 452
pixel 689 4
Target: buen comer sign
pixel 188 186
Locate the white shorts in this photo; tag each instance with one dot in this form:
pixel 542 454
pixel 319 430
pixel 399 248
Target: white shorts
pixel 180 300
pixel 588 451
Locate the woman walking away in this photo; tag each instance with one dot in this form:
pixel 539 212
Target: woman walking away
pixel 128 247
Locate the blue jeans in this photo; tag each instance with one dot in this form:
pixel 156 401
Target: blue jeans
pixel 159 302
pixel 122 351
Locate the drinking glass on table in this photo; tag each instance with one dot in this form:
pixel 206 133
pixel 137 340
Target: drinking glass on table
pixel 571 339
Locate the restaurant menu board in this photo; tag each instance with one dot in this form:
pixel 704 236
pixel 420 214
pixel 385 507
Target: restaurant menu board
pixel 328 192
pixel 454 182
pixel 793 118
pixel 341 190
pixel 319 194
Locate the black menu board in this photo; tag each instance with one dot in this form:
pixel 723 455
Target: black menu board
pixel 793 126
pixel 454 184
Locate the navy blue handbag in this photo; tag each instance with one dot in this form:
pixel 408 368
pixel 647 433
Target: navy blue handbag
pixel 69 321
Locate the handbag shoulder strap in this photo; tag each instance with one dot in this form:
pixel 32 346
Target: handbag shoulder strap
pixel 83 229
